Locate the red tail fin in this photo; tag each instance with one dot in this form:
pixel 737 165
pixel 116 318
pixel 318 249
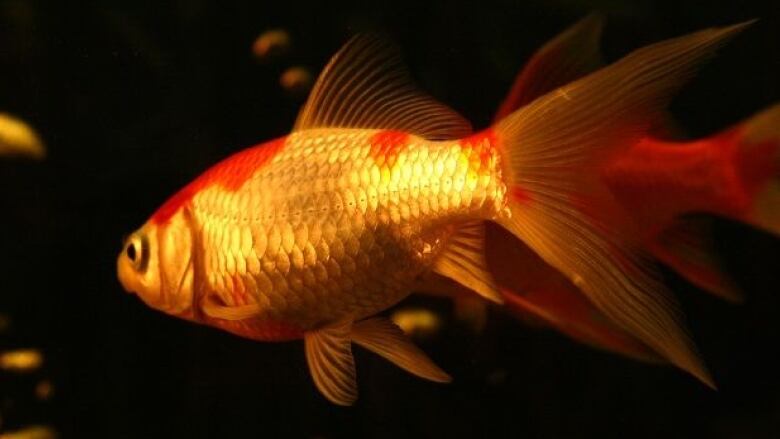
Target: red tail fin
pixel 688 247
pixel 571 55
pixel 757 163
pixel 733 174
pixel 540 293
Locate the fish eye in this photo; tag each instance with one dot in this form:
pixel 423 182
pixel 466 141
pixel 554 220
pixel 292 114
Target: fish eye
pixel 131 253
pixel 137 251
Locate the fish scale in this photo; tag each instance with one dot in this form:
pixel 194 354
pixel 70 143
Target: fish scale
pixel 347 232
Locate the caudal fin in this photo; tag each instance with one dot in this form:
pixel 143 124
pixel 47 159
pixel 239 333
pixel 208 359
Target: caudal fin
pixel 535 292
pixel 747 188
pixel 571 55
pixel 688 247
pixel 560 207
pixel 758 162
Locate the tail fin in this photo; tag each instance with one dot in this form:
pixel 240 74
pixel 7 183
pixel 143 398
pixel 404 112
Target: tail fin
pixel 571 55
pixel 539 293
pixel 758 161
pixel 749 192
pixel 688 247
pixel 560 208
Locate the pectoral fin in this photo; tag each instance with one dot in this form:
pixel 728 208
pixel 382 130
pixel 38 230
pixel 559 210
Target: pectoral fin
pixel 225 312
pixel 329 355
pixel 383 337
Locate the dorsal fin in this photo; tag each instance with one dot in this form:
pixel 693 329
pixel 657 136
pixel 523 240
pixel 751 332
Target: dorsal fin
pixel 366 85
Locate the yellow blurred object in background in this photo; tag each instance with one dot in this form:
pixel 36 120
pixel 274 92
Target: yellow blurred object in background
pixel 417 322
pixel 21 360
pixel 31 432
pixel 17 138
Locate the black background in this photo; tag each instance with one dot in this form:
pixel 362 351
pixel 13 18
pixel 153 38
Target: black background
pixel 134 99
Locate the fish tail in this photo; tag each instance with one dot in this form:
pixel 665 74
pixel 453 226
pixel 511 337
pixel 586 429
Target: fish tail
pixel 744 163
pixel 551 151
pixel 688 247
pixel 540 295
pixel 757 164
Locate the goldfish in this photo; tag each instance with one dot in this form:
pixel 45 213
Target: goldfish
pixel 664 184
pixel 379 188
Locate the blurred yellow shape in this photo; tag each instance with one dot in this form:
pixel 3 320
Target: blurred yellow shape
pixel 21 360
pixel 417 322
pixel 271 43
pixel 31 432
pixel 17 138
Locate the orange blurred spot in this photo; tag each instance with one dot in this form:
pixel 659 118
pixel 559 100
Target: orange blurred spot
pixel 44 390
pixel 5 322
pixel 296 80
pixel 21 360
pixel 271 43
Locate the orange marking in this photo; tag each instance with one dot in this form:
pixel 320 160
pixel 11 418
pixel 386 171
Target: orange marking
pixel 230 174
pixel 480 148
pixel 386 145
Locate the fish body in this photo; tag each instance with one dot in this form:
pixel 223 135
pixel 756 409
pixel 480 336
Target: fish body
pixel 380 190
pixel 331 223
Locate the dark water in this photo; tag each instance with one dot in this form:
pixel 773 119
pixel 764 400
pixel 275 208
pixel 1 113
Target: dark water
pixel 134 100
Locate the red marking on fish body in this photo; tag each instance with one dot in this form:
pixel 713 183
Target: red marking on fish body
pixel 230 174
pixel 480 148
pixel 386 145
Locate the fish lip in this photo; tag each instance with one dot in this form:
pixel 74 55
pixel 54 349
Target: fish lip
pixel 122 272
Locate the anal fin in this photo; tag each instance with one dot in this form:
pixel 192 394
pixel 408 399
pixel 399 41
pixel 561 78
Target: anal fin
pixel 384 338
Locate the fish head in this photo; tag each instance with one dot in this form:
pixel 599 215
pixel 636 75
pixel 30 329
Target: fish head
pixel 156 263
